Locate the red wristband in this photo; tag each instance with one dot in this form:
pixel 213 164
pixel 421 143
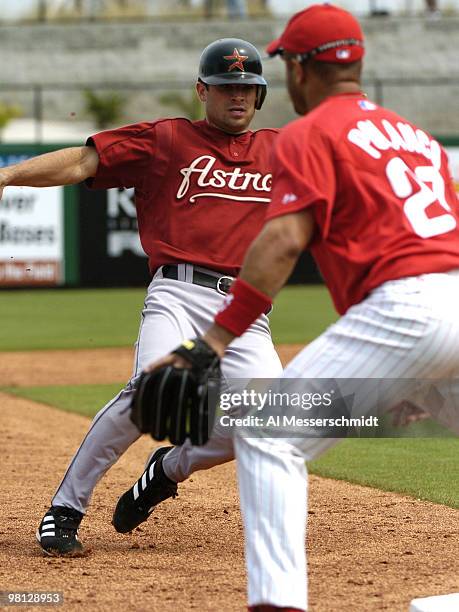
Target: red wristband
pixel 242 306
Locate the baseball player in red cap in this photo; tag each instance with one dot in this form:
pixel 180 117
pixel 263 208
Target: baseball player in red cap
pixel 371 196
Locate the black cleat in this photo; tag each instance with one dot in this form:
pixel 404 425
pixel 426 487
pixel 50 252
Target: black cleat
pixel 153 487
pixel 58 532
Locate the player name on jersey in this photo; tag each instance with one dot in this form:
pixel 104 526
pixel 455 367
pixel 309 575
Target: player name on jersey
pixel 401 137
pixel 235 180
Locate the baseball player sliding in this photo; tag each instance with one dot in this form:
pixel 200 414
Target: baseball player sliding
pixel 372 197
pixel 201 191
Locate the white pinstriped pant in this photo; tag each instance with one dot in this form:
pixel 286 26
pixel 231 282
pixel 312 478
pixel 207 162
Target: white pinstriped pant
pixel 407 328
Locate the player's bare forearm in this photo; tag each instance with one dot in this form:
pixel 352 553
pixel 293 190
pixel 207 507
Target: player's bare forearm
pixel 63 167
pixel 218 338
pixel 269 263
pixel 274 253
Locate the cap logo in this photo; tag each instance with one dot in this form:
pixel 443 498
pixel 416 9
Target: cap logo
pixel 343 54
pixel 238 60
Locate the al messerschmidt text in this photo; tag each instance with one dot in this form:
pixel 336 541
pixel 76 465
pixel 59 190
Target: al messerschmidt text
pixel 289 421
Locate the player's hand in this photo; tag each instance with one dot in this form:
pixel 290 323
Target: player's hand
pixel 406 413
pixel 177 361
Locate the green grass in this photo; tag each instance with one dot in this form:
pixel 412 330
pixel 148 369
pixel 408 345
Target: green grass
pixel 75 318
pixel 66 319
pixel 301 313
pixel 424 468
pixel 82 399
pixel 427 428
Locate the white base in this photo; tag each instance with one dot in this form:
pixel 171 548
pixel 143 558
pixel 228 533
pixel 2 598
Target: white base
pixel 439 603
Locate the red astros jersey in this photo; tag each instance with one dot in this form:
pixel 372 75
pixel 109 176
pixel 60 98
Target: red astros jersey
pixel 380 192
pixel 201 194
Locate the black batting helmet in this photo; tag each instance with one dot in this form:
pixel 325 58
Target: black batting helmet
pixel 232 60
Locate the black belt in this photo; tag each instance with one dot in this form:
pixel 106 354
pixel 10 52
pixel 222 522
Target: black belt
pixel 221 284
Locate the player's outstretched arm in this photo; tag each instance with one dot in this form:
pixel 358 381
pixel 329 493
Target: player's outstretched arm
pixel 63 167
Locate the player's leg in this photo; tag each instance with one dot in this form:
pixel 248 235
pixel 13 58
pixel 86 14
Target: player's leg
pixel 111 432
pixel 273 490
pixel 407 330
pixel 253 356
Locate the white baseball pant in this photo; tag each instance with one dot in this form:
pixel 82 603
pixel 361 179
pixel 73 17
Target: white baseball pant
pixel 408 328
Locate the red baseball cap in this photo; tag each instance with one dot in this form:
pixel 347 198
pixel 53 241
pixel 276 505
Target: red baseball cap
pixel 322 31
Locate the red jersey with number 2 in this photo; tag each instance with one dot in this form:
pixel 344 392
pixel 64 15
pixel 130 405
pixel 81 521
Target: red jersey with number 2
pixel 380 192
pixel 201 194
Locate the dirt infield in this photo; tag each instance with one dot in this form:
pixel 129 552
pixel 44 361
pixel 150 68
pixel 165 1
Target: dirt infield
pixel 82 366
pixel 368 550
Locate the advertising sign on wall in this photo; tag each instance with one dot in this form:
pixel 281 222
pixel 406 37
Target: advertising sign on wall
pixel 31 236
pixel 110 249
pixel 122 230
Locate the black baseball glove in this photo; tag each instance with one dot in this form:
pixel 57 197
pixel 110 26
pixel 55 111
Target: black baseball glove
pixel 180 403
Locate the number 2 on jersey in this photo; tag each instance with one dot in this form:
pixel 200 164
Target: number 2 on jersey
pixel 416 204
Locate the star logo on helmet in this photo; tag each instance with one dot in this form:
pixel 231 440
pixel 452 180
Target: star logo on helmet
pixel 238 60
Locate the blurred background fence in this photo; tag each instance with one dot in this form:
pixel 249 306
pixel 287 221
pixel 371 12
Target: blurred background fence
pixel 96 10
pixel 37 113
pixel 60 81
